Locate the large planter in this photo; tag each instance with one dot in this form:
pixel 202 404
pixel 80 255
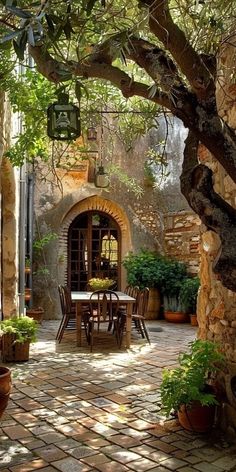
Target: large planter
pixel 154 304
pixel 36 314
pixel 197 418
pixel 5 388
pixel 176 317
pixel 14 351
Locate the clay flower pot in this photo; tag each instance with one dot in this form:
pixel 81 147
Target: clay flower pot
pixel 36 314
pixel 176 317
pixel 5 388
pixel 197 417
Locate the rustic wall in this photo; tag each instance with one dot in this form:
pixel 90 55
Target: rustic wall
pixel 216 304
pixel 8 216
pixel 182 238
pixel 62 195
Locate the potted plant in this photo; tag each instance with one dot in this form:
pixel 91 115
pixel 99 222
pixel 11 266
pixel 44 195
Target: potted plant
pixel 97 283
pixel 5 387
pixel 188 297
pixel 27 265
pixel 145 269
pixel 188 388
pixel 17 334
pixel 174 274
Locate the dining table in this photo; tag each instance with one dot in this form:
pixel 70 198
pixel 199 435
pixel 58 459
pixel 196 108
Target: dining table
pixel 82 298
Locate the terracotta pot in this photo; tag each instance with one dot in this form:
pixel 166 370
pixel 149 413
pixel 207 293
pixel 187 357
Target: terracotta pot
pixel 5 388
pixel 27 270
pixel 193 320
pixel 176 317
pixel 36 314
pixel 27 294
pixel 13 351
pixel 197 417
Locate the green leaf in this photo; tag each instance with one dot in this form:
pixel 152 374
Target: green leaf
pixel 20 13
pixel 50 23
pixel 10 36
pixel 90 6
pixel 68 30
pixel 19 47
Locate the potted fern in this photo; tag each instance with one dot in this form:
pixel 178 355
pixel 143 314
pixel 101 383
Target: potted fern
pixel 188 389
pixel 17 334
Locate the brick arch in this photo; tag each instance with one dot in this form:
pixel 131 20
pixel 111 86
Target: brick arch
pixel 96 203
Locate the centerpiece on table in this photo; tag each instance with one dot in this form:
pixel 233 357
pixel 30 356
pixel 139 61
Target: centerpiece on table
pixel 97 283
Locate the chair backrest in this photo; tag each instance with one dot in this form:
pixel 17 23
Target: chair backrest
pixel 105 303
pixel 65 299
pixel 142 301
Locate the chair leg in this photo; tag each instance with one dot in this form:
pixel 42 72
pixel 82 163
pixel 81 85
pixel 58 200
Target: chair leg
pixel 63 327
pixel 91 331
pixel 59 329
pixel 145 330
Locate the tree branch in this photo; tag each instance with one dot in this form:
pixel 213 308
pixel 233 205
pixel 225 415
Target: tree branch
pixel 215 213
pixel 54 71
pixel 193 67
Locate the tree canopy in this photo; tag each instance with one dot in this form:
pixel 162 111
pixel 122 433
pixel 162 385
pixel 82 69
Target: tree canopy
pixel 165 52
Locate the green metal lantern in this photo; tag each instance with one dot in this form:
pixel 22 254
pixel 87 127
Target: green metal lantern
pixel 63 122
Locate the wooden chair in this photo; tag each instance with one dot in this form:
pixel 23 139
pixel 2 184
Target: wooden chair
pixel 104 306
pixel 138 317
pixel 68 321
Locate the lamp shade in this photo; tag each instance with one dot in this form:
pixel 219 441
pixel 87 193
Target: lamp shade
pixel 101 178
pixel 63 120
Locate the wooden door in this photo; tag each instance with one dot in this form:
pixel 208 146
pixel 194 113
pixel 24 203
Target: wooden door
pixel 94 249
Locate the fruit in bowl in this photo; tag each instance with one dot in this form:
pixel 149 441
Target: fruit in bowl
pixel 100 284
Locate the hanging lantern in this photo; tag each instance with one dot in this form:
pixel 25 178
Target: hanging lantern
pixel 63 120
pixel 101 178
pixel 92 134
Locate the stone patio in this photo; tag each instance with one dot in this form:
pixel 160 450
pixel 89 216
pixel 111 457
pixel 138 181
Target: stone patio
pixel 76 411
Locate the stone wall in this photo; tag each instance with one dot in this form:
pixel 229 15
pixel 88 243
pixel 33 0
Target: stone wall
pixel 8 217
pixel 182 238
pixel 216 304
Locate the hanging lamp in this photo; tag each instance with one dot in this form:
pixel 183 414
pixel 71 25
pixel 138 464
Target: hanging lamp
pixel 63 119
pixel 102 179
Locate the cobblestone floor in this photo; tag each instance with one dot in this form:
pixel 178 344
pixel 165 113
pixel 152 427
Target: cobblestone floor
pixel 73 411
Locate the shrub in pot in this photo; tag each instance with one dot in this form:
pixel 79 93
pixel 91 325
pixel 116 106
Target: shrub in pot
pixel 145 269
pixel 17 334
pixel 188 389
pixel 174 274
pixel 188 296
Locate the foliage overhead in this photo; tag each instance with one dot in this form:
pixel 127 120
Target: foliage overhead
pixel 164 53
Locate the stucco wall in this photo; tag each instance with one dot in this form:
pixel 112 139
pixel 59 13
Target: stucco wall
pixel 63 195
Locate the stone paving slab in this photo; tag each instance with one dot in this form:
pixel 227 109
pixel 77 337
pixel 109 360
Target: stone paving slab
pixel 76 411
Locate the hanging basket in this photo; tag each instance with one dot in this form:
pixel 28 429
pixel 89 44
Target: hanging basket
pixel 5 388
pixel 14 351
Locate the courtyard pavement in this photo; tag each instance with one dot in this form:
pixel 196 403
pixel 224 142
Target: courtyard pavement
pixel 76 411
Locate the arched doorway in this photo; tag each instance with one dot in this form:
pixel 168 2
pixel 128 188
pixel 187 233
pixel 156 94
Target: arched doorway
pixel 94 249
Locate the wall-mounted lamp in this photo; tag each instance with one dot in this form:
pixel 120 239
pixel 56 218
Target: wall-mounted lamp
pixel 63 120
